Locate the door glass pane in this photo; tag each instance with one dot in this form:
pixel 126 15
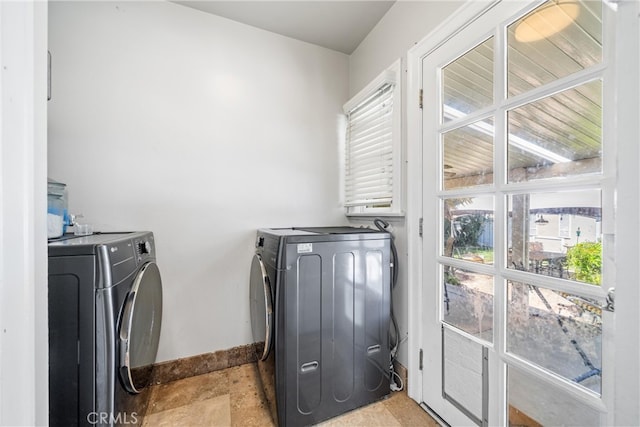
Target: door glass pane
pixel 468 229
pixel 468 301
pixel 557 234
pixel 557 136
pixel 467 155
pixel 556 330
pixel 535 403
pixel 467 82
pixel 553 41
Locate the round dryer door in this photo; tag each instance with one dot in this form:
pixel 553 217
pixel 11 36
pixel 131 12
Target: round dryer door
pixel 140 328
pixel 261 307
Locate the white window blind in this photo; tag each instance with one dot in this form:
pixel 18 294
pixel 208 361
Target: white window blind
pixel 369 151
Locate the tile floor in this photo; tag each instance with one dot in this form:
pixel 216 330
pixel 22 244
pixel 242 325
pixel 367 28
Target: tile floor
pixel 232 397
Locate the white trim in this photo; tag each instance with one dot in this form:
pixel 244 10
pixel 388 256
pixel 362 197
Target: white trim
pixel 626 386
pixel 388 76
pixel 23 255
pixel 461 18
pixel 377 215
pixel 414 213
pixel 465 15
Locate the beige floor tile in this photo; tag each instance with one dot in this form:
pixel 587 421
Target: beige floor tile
pixel 374 415
pixel 243 377
pixel 234 397
pixel 189 390
pixel 211 412
pixel 252 417
pixel 407 411
pixel 245 389
pixel 248 404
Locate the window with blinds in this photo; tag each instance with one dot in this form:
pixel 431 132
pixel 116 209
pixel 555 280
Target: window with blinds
pixel 369 151
pixel 372 155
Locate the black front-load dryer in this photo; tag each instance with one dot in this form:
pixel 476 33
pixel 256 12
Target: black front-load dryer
pixel 105 312
pixel 320 315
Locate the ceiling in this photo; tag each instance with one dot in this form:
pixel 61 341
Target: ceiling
pixel 337 25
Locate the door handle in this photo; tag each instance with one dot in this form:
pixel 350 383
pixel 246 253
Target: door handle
pixel 610 301
pixel 310 366
pixel 373 349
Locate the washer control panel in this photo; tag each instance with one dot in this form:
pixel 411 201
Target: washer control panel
pixel 144 247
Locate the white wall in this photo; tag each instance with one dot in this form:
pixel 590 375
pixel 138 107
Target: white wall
pixel 405 24
pixel 200 129
pixel 23 249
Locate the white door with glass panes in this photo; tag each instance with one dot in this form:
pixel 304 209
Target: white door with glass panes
pixel 518 188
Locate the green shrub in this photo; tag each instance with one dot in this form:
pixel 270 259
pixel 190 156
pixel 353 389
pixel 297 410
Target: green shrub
pixel 586 260
pixel 470 230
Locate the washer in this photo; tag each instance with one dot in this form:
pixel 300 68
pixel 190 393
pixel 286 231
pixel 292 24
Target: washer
pixel 105 314
pixel 320 313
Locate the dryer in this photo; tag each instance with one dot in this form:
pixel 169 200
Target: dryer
pixel 320 313
pixel 105 314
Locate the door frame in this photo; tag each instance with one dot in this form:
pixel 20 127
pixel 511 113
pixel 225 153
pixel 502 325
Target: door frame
pixel 625 345
pixel 24 355
pixel 456 22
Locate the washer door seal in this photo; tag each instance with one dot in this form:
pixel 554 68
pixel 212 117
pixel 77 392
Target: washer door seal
pixel 261 307
pixel 140 328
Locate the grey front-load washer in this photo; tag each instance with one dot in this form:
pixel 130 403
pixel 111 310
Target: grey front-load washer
pixel 105 311
pixel 320 312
